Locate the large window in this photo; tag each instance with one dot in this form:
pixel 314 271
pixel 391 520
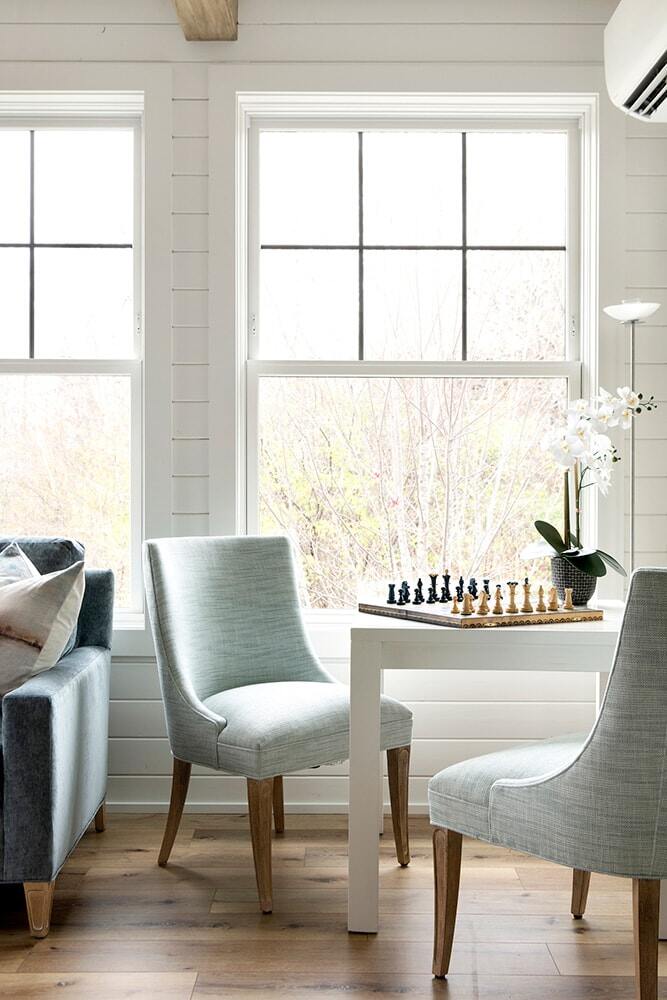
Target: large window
pixel 70 377
pixel 413 332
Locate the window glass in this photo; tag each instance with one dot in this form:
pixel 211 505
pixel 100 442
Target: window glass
pixel 14 186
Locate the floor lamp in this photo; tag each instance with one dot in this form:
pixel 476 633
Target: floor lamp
pixel 630 314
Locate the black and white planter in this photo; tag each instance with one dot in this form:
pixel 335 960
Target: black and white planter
pixel 564 574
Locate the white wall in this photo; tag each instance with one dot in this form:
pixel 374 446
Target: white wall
pixel 455 716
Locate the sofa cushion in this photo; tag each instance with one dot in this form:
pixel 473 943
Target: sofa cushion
pixel 284 726
pixel 48 555
pixel 37 617
pixel 459 796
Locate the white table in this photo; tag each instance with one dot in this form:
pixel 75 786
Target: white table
pixel 389 644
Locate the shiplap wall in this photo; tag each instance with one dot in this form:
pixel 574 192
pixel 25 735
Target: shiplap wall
pixel 646 278
pixel 456 715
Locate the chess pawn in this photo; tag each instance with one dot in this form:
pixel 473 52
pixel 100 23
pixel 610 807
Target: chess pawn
pixel 541 606
pixel 567 603
pixel 526 607
pixel 553 599
pixel 498 605
pixel 512 608
pixel 455 606
pixel 483 608
pixel 468 606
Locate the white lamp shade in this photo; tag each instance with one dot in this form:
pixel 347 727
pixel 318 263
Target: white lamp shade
pixel 628 312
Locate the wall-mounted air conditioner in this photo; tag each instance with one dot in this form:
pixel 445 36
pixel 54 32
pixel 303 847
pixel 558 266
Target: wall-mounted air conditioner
pixel 635 58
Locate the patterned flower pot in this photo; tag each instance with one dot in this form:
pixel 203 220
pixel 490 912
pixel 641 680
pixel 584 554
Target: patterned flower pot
pixel 564 574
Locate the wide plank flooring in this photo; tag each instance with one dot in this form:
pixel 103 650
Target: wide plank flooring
pixel 123 928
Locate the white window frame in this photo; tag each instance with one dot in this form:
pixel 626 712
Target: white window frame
pixel 60 93
pixel 132 367
pixel 524 114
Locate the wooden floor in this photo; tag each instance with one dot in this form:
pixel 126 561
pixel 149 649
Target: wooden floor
pixel 124 928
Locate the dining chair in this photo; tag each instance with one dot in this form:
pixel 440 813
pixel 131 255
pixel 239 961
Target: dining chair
pixel 243 690
pixel 595 803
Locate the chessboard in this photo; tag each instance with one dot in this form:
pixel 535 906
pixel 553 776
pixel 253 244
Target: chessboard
pixel 473 606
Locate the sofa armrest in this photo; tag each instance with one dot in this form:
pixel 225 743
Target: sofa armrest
pixel 96 616
pixel 54 742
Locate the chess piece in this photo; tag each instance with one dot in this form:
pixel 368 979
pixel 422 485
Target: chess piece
pixel 419 593
pixel 512 608
pixel 553 599
pixel 483 607
pixel 468 606
pixel 404 593
pixel 567 603
pixel 447 594
pixel 498 605
pixel 461 588
pixel 392 594
pixel 443 596
pixel 541 606
pixel 486 588
pixel 459 593
pixel 433 589
pixel 455 604
pixel 472 588
pixel 526 607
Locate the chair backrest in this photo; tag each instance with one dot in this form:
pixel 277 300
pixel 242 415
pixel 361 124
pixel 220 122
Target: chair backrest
pixel 225 613
pixel 625 757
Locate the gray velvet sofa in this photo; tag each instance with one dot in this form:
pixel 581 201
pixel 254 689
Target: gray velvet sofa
pixel 53 743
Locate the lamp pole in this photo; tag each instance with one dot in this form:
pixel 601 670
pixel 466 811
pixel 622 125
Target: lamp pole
pixel 630 314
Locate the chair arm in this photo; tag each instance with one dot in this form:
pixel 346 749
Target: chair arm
pixel 54 742
pixel 96 616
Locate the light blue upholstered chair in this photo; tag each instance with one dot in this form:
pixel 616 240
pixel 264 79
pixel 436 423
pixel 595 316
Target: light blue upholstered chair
pixel 595 803
pixel 53 742
pixel 243 690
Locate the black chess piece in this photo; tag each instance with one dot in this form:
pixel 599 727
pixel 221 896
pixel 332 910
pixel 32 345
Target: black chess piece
pixel 461 586
pixel 472 589
pixel 392 594
pixel 459 593
pixel 434 584
pixel 404 593
pixel 432 595
pixel 446 592
pixel 419 592
pixel 443 595
pixel 486 588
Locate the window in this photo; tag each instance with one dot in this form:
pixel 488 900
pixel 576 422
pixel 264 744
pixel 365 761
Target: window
pixel 70 368
pixel 413 321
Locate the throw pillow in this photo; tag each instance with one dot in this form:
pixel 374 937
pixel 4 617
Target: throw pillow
pixel 37 617
pixel 15 565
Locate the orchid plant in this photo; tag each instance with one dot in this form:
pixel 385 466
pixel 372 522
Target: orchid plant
pixel 583 448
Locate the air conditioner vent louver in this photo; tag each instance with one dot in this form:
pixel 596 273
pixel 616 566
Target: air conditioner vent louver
pixel 647 97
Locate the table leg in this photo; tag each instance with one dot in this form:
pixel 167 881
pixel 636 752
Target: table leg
pixel 365 670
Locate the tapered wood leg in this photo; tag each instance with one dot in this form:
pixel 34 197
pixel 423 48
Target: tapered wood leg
pixel 580 882
pixel 447 870
pixel 398 767
pixel 646 913
pixel 101 819
pixel 179 789
pixel 38 901
pixel 260 800
pixel 278 805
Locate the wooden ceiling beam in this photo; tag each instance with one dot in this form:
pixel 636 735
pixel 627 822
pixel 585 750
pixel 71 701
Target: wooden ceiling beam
pixel 208 20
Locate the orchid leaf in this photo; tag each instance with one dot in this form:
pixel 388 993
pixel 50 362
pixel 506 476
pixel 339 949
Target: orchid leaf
pixel 551 535
pixel 611 562
pixel 588 562
pixel 574 541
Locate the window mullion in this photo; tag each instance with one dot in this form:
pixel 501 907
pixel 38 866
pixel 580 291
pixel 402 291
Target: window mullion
pixel 31 289
pixel 464 251
pixel 361 245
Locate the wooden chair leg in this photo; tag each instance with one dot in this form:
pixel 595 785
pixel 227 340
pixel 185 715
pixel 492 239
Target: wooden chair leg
pixel 447 870
pixel 645 913
pixel 260 799
pixel 179 789
pixel 278 805
pixel 101 819
pixel 398 766
pixel 38 901
pixel 580 882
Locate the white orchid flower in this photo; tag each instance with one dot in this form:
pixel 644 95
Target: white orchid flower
pixel 625 417
pixel 563 453
pixel 580 407
pixel 601 477
pixel 578 433
pixel 628 396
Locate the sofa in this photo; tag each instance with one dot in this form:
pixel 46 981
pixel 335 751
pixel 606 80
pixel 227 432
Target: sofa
pixel 53 742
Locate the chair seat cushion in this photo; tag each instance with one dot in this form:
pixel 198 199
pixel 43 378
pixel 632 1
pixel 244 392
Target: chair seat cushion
pixel 460 796
pixel 281 727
